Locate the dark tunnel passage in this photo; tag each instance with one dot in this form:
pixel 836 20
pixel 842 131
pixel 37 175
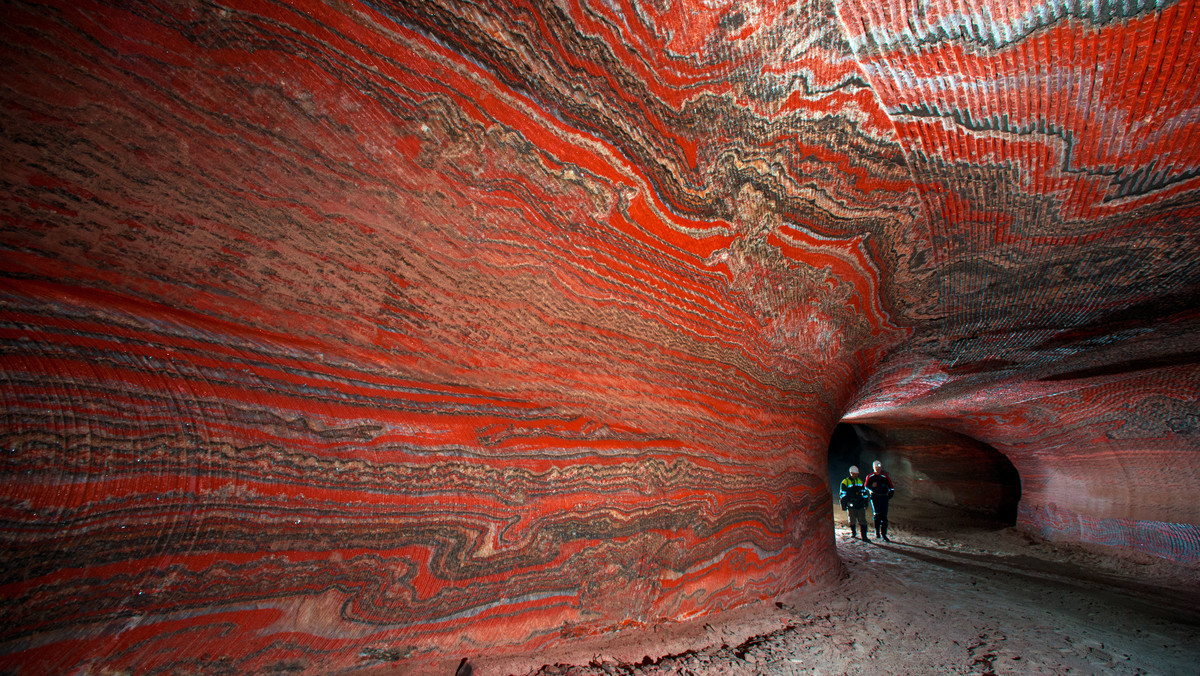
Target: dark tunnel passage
pixel 943 480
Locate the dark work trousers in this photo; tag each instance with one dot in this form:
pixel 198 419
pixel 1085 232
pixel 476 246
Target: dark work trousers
pixel 879 506
pixel 858 516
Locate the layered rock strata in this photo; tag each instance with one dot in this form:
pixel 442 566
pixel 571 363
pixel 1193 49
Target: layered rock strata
pixel 339 333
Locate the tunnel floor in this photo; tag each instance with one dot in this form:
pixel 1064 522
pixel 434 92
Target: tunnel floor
pixel 972 602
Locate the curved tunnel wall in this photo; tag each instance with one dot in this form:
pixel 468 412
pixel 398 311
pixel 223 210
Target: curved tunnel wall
pixel 340 332
pixel 1102 459
pixel 331 333
pixel 1109 472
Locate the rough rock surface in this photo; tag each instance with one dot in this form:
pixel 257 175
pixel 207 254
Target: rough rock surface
pixel 334 333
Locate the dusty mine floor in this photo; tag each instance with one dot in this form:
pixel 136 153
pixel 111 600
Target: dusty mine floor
pixel 978 602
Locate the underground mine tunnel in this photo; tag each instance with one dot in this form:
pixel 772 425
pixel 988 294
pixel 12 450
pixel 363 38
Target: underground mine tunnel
pixel 362 335
pixel 942 478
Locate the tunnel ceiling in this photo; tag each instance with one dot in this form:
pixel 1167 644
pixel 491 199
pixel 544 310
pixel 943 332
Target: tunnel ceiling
pixel 337 334
pixel 1046 142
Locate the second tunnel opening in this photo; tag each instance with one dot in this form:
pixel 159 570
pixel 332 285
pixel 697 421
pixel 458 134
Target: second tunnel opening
pixel 943 480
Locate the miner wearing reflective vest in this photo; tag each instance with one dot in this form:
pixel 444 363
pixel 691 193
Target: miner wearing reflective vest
pixel 854 501
pixel 879 484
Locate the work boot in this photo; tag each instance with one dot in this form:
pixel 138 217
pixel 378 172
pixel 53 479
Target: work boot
pixel 884 531
pixel 853 532
pixel 865 535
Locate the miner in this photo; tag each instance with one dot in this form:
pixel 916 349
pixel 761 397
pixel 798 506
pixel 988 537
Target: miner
pixel 879 484
pixel 854 501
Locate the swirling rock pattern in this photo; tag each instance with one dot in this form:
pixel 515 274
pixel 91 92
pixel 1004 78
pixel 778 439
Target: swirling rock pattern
pixel 1055 149
pixel 340 333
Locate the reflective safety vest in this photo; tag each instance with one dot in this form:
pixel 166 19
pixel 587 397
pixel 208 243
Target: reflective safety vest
pixel 854 493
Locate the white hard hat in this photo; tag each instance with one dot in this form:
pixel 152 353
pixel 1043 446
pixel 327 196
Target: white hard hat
pixel 854 469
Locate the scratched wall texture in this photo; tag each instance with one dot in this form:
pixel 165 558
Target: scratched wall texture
pixel 1055 146
pixel 334 333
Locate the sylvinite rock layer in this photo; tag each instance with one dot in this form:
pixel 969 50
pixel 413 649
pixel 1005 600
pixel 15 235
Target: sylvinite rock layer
pixel 338 333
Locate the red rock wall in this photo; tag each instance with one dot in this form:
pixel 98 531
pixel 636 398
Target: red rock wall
pixel 1055 153
pixel 1105 459
pixel 337 333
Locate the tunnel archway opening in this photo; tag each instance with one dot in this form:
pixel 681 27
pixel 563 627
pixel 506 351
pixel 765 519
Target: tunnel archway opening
pixel 944 480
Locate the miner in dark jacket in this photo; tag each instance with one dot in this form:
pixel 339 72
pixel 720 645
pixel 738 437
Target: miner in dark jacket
pixel 879 485
pixel 854 501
